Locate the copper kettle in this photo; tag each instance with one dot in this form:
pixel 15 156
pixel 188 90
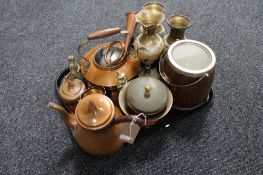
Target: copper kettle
pixel 97 124
pixel 91 65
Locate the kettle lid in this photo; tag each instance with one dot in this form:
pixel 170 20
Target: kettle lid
pixel 95 111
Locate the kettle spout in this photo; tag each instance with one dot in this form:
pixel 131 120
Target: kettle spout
pixel 68 118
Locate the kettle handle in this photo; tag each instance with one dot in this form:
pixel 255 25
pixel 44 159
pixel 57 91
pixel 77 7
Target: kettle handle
pixel 104 33
pixel 97 35
pixel 128 118
pixel 120 57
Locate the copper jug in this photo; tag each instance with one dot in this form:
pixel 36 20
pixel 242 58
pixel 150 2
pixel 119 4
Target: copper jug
pixel 96 124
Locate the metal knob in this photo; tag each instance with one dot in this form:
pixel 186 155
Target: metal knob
pixel 147 89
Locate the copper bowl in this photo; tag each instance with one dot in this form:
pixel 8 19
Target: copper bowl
pixel 93 90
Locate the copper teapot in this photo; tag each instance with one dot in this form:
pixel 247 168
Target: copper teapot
pixel 96 124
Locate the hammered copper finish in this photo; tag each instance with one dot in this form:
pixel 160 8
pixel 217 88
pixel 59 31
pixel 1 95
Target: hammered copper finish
pixel 103 77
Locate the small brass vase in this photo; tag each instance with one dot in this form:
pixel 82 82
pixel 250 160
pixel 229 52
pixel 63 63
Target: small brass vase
pixel 149 45
pixel 159 7
pixel 178 24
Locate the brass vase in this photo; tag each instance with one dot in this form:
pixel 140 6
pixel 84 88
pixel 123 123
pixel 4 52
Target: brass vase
pixel 178 24
pixel 159 7
pixel 149 45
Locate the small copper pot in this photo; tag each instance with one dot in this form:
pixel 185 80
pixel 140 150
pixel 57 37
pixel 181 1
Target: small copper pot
pixel 70 92
pixel 188 69
pixel 93 90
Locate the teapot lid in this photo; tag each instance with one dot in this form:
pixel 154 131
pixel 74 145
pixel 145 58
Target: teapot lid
pixel 71 89
pixel 146 95
pixel 94 111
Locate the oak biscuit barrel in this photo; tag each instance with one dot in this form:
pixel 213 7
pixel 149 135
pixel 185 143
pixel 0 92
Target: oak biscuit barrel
pixel 188 69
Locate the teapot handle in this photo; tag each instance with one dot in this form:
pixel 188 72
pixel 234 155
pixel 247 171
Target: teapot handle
pixel 129 118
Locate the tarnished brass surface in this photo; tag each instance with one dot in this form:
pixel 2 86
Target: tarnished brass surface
pixel 160 30
pixel 178 24
pixel 154 5
pixel 149 45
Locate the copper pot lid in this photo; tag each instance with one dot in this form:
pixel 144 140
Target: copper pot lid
pixel 95 111
pixel 146 95
pixel 71 90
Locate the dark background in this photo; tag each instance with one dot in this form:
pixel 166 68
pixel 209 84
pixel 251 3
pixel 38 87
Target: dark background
pixel 37 36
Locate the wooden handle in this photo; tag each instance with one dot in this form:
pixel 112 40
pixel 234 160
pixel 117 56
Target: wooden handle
pixel 103 33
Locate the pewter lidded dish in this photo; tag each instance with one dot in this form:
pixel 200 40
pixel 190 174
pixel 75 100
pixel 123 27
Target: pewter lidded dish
pixel 146 95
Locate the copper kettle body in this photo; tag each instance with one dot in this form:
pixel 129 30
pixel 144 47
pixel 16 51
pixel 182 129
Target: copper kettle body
pixel 102 62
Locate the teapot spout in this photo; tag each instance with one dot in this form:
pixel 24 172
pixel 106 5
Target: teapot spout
pixel 68 118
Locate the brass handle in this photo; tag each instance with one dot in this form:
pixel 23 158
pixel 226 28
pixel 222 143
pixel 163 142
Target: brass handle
pixel 128 118
pixel 104 33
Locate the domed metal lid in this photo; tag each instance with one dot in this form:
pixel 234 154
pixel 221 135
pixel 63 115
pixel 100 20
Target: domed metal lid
pixel 95 111
pixel 146 95
pixel 70 90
